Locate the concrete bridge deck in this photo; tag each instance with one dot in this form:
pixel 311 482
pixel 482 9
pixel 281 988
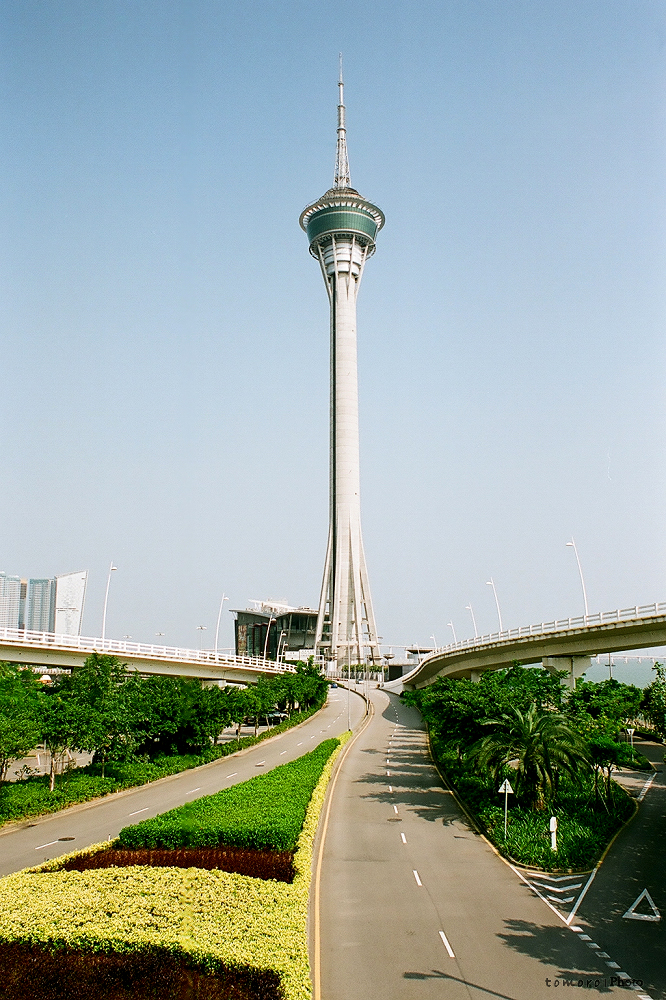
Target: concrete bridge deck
pixel 44 649
pixel 567 644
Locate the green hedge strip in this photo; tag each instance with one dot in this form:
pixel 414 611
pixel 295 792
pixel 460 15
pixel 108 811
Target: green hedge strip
pixel 265 813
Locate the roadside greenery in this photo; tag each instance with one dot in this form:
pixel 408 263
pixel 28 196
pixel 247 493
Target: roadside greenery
pixel 264 813
pixel 558 748
pixel 138 729
pixel 207 934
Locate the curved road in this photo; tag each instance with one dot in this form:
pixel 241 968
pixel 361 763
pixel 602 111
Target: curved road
pixel 46 837
pixel 414 904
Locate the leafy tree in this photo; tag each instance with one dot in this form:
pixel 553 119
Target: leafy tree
pixel 102 687
pixel 538 746
pixel 653 705
pixel 609 703
pixel 63 723
pixel 19 727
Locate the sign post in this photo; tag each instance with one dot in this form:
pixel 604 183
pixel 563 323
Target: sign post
pixel 508 790
pixel 553 833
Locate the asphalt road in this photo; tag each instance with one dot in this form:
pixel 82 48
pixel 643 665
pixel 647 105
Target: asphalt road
pixel 634 863
pixel 30 843
pixel 415 905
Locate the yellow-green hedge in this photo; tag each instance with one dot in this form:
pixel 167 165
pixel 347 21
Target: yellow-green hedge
pixel 214 919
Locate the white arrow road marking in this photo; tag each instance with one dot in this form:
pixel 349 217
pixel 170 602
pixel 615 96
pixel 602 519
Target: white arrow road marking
pixel 632 915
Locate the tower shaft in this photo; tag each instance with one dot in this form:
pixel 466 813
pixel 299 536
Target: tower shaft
pixel 346 623
pixel 341 228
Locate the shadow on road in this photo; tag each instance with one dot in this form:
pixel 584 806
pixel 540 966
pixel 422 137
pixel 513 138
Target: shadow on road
pixel 547 945
pixel 436 974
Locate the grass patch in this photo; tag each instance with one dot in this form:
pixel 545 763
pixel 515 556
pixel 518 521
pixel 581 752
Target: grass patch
pixel 220 931
pixel 31 797
pixel 584 827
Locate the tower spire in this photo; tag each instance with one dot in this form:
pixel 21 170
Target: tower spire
pixel 342 178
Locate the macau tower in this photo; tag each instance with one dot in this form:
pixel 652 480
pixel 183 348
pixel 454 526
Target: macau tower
pixel 341 227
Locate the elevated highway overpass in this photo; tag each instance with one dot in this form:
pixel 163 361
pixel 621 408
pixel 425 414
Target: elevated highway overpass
pixel 567 644
pixel 44 649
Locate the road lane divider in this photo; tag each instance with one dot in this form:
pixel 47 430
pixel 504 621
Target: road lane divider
pixel 416 876
pixel 50 844
pixel 445 941
pixel 137 811
pixel 403 838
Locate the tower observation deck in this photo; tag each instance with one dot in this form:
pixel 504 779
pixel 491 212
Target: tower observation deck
pixel 341 227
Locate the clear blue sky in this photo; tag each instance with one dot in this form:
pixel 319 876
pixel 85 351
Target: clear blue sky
pixel 165 331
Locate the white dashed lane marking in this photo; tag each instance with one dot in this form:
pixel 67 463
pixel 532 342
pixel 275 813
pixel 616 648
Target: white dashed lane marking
pixel 137 811
pixel 446 944
pixel 416 876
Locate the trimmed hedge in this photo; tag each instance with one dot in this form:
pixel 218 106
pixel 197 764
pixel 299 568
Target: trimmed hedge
pixel 31 797
pixel 225 927
pixel 264 813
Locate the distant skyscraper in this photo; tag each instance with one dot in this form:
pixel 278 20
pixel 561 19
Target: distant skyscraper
pixel 341 228
pixel 10 601
pixel 40 606
pixel 43 605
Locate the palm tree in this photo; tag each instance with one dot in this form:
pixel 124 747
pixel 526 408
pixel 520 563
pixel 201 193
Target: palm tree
pixel 539 745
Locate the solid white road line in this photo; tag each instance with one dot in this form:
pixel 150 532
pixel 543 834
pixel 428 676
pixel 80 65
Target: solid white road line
pixel 50 844
pixel 403 838
pixel 137 811
pixel 416 876
pixel 446 944
pixel 646 786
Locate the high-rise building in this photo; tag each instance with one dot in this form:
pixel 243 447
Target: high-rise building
pixel 341 227
pixel 40 606
pixel 43 605
pixel 10 601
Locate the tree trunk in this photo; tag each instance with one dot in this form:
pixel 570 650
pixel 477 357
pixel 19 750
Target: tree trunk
pixel 52 773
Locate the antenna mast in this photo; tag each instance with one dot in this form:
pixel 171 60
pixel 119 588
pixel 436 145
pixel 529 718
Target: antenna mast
pixel 342 178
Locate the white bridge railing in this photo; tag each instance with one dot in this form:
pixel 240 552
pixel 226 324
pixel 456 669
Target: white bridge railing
pixel 561 625
pixel 140 650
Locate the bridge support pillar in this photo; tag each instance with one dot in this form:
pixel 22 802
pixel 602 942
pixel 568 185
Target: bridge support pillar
pixel 475 676
pixel 574 665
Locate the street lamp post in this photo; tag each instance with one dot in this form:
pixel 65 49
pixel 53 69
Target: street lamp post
pixel 491 583
pixel 468 607
pixel 572 545
pixel 217 627
pixel 450 624
pixel 434 641
pixel 201 629
pixel 112 569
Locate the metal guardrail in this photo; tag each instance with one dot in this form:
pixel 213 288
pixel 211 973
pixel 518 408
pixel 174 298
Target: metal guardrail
pixel 140 650
pixel 560 625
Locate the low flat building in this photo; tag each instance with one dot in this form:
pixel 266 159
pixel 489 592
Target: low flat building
pixel 275 631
